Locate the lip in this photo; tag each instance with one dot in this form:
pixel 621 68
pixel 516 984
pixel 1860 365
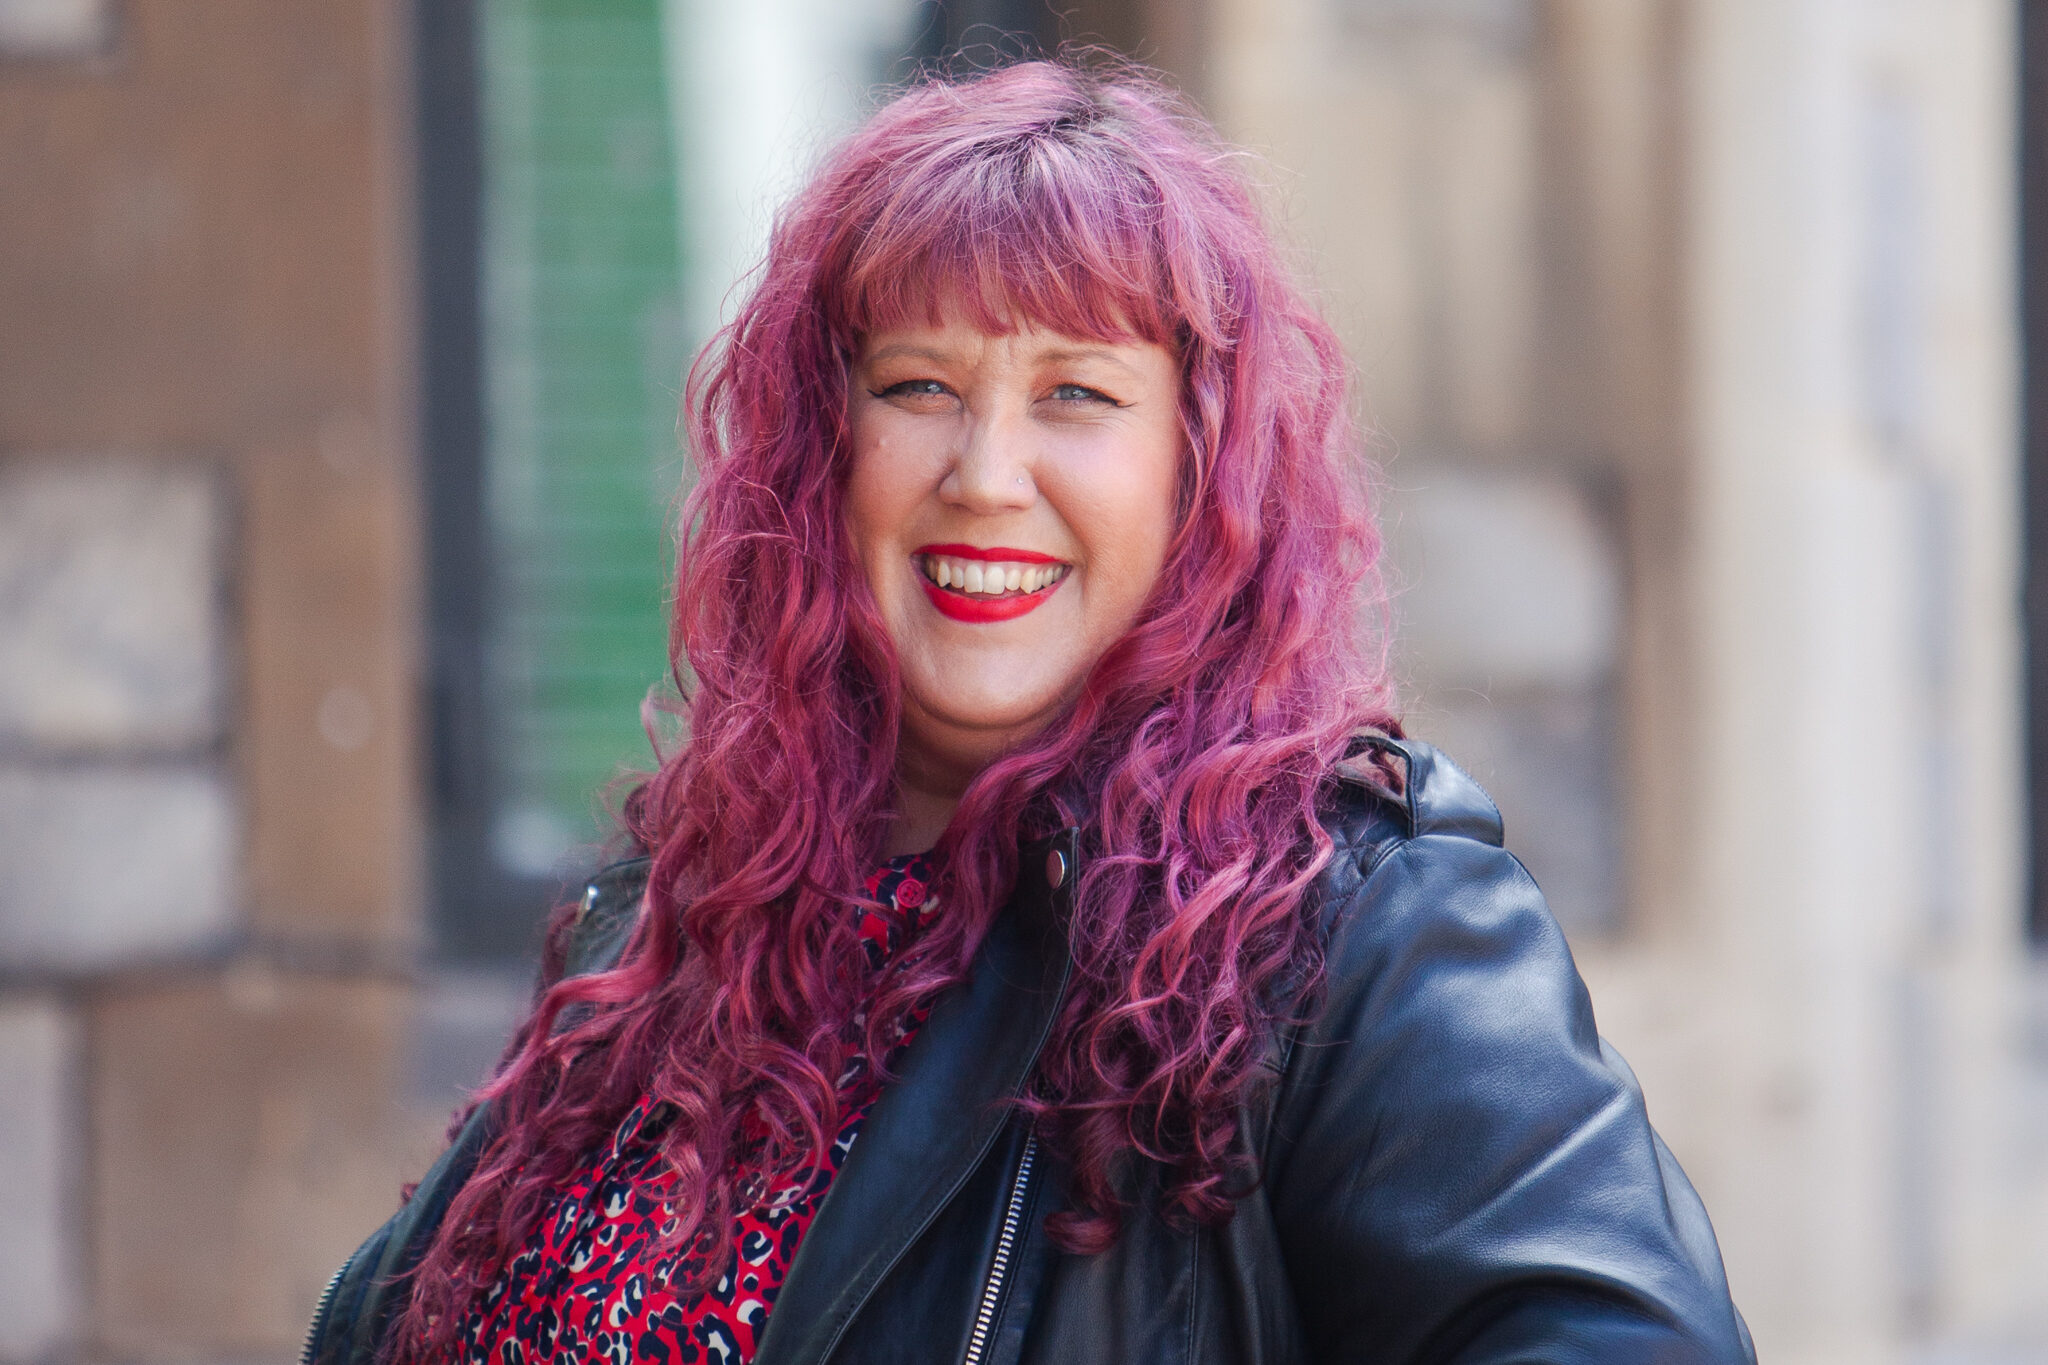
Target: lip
pixel 980 611
pixel 1000 553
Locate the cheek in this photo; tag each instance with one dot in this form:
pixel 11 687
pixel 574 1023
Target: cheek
pixel 1132 522
pixel 878 499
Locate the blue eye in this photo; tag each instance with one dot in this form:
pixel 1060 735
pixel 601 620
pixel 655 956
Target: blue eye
pixel 1079 393
pixel 915 388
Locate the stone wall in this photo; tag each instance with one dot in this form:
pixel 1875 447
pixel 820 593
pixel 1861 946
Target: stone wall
pixel 1686 327
pixel 1478 189
pixel 208 891
pixel 1855 934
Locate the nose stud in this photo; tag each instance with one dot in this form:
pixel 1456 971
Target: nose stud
pixel 1020 480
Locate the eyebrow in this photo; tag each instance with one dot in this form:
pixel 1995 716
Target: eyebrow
pixel 1071 353
pixel 911 351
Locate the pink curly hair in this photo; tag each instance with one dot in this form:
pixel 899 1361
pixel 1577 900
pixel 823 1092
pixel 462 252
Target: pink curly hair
pixel 1090 202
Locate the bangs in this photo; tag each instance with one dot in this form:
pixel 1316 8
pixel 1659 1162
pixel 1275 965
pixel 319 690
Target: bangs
pixel 1039 230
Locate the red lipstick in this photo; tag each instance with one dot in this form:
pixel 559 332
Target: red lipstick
pixel 960 606
pixel 999 554
pixel 980 610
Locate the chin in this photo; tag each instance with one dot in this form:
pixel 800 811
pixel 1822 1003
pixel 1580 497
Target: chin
pixel 988 712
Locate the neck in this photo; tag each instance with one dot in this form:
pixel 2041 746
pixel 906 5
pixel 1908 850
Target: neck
pixel 930 780
pixel 921 817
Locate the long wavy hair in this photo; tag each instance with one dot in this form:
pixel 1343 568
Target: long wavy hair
pixel 1091 202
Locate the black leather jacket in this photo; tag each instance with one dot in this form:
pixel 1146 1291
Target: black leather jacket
pixel 1456 1167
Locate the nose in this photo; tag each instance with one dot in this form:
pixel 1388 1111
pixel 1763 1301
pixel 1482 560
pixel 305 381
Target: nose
pixel 993 472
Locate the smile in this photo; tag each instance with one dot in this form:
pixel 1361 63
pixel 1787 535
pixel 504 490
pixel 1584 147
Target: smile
pixel 975 585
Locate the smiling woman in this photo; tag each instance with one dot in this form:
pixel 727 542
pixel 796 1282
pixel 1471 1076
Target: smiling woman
pixel 1045 946
pixel 1011 500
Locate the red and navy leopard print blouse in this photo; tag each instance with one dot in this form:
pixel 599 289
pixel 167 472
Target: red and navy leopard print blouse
pixel 593 1280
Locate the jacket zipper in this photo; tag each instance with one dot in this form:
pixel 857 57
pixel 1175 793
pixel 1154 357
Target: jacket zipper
pixel 1006 1247
pixel 318 1327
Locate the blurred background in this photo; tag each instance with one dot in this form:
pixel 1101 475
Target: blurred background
pixel 340 347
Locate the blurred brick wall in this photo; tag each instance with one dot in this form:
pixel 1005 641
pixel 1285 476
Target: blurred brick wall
pixel 208 880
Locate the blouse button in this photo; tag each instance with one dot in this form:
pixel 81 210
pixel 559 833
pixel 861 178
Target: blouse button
pixel 1055 868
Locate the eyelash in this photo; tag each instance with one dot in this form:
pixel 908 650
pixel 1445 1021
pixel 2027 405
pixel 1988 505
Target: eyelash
pixel 906 387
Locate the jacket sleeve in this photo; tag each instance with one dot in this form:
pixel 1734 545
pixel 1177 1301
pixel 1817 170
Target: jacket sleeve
pixel 367 1293
pixel 1460 1169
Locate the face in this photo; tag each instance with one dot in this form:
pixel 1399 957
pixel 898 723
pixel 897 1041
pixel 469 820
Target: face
pixel 1011 501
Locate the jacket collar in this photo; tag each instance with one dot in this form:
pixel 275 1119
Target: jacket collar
pixel 927 1133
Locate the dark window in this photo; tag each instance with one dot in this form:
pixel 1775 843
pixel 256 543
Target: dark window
pixel 553 354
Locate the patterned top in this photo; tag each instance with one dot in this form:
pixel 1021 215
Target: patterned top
pixel 593 1280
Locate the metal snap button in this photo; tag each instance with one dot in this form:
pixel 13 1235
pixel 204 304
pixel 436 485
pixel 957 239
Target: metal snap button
pixel 1055 868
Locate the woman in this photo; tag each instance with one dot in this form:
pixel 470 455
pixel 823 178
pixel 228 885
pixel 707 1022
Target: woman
pixel 1044 948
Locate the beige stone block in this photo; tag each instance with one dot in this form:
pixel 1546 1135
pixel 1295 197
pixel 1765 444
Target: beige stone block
pixel 1477 168
pixel 194 246
pixel 1404 138
pixel 329 724
pixel 101 866
pixel 39 1139
pixel 54 28
pixel 1506 583
pixel 247 1137
pixel 110 604
pixel 1491 26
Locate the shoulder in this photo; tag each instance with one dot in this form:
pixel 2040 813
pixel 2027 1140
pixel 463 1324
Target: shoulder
pixel 1449 1126
pixel 1439 953
pixel 1420 889
pixel 605 916
pixel 1435 816
pixel 1431 926
pixel 1435 795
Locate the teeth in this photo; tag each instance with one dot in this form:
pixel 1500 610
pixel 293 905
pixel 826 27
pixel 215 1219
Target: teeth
pixel 978 576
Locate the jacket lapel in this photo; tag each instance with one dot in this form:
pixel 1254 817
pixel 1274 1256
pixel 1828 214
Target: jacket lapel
pixel 928 1132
